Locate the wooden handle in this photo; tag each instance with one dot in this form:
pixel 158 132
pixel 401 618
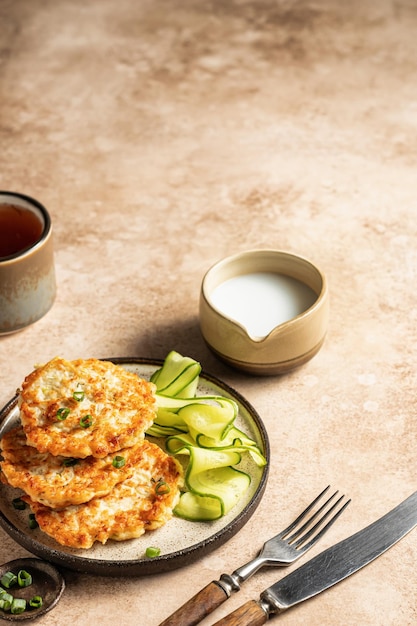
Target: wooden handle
pixel 198 607
pixel 249 614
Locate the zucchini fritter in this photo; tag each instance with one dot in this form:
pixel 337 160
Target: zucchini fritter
pixel 144 501
pixel 85 407
pixel 58 481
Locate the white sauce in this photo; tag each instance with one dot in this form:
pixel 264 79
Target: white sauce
pixel 261 301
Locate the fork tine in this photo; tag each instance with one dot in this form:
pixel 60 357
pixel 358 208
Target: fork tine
pixel 307 524
pixel 302 515
pixel 320 534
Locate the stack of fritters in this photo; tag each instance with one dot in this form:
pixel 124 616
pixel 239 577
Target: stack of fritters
pixel 81 457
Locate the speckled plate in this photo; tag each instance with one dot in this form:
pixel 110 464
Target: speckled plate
pixel 181 542
pixel 47 582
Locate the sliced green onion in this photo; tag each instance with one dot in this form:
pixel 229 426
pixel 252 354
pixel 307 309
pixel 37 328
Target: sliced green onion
pixel 62 413
pixel 36 602
pixel 19 504
pixel 18 606
pixel 2 592
pixel 32 521
pixel 70 461
pixel 86 421
pixel 6 601
pixel 24 579
pixel 78 395
pixel 8 580
pixel 162 488
pixel 152 552
pixel 118 462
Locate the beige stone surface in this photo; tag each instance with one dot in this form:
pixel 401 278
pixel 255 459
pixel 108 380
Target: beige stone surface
pixel 163 135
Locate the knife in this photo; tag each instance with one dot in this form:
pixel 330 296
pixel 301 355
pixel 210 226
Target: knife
pixel 329 567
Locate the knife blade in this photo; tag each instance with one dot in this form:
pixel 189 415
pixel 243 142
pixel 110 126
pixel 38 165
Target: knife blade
pixel 329 567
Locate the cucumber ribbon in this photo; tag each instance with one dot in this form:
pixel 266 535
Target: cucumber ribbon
pixel 201 427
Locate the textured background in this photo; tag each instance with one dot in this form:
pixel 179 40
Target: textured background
pixel 164 135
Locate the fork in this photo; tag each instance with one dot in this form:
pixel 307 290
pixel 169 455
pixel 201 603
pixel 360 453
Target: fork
pixel 282 550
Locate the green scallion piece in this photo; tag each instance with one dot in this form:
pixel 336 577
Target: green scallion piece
pixel 78 395
pixel 32 521
pixel 18 606
pixel 24 579
pixel 8 580
pixel 119 461
pixel 6 601
pixel 2 592
pixel 162 488
pixel 18 504
pixel 70 461
pixel 86 421
pixel 36 602
pixel 62 413
pixel 152 552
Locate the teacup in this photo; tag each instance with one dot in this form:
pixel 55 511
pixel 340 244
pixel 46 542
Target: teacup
pixel 27 271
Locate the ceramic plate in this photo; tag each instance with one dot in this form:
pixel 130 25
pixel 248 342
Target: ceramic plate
pixel 181 542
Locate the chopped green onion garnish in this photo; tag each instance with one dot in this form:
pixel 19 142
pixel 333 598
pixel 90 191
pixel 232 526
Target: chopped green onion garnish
pixel 24 579
pixel 32 521
pixel 69 462
pixel 18 606
pixel 78 395
pixel 18 504
pixel 86 421
pixel 2 592
pixel 8 580
pixel 36 602
pixel 118 461
pixel 151 552
pixel 62 413
pixel 162 488
pixel 6 601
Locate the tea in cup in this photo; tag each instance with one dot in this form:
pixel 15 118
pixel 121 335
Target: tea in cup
pixel 27 271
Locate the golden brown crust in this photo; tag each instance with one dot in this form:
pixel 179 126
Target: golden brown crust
pixel 119 404
pixel 51 481
pixel 132 507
